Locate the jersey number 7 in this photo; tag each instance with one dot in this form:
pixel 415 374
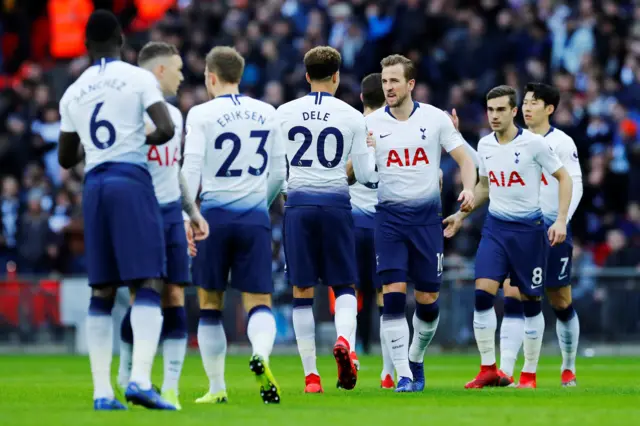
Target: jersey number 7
pixel 225 169
pixel 297 160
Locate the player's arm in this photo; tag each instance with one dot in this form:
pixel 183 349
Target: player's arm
pixel 154 104
pixel 363 157
pixel 70 150
pixel 568 154
pixel 194 152
pixel 277 165
pixel 451 140
pixel 549 160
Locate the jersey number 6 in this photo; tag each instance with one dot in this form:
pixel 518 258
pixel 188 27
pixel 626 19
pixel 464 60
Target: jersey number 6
pixel 297 160
pixel 95 125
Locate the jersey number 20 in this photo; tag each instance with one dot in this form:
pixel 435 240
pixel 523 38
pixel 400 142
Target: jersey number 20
pixel 297 160
pixel 225 169
pixel 95 125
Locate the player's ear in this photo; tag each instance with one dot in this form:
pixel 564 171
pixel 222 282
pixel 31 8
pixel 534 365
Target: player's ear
pixel 361 98
pixel 514 112
pixel 306 75
pixel 412 84
pixel 550 109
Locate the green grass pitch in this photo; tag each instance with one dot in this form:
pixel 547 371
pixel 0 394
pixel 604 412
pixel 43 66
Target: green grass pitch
pixel 56 391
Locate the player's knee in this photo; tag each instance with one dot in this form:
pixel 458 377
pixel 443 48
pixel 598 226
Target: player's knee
pixel 427 312
pixel 394 304
pixel 483 300
pixel 104 292
pixel 344 290
pixel 560 298
pixel 425 298
pixel 303 292
pixel 172 295
pixel 210 300
pixel 511 291
pixel 485 284
pixel 532 307
pixel 379 298
pixel 252 300
pixel 102 301
pixel 513 307
pixel 155 284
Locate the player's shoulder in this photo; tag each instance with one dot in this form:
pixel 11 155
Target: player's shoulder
pixel 376 116
pixel 174 111
pixel 201 111
pixel 560 139
pixel 258 104
pixel 487 140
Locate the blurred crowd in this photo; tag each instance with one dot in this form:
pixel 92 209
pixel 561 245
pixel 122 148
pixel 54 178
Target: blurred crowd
pixel 589 49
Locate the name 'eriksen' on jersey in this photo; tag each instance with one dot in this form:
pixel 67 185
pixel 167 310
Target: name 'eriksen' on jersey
pixel 241 115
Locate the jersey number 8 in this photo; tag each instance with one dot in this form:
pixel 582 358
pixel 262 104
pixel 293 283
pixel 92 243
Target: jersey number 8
pixel 95 125
pixel 297 160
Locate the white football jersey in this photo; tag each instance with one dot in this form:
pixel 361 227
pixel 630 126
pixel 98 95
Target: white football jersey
pixel 566 150
pixel 408 159
pixel 164 161
pixel 320 132
pixel 514 171
pixel 106 106
pixel 364 198
pixel 235 137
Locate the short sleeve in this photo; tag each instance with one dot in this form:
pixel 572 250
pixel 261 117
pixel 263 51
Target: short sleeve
pixel 66 124
pixel 450 138
pixel 195 133
pixel 359 145
pixel 150 89
pixel 482 170
pixel 568 154
pixel 545 156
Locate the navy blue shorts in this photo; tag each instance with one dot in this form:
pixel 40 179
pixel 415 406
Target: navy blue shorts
pixel 177 249
pixel 123 236
pixel 319 243
pixel 515 250
pixel 366 259
pixel 240 249
pixel 412 252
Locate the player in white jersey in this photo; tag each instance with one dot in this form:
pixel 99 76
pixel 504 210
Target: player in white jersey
pixel 104 110
pixel 540 102
pixel 232 144
pixel 514 240
pixel 408 234
pixel 320 133
pixel 164 61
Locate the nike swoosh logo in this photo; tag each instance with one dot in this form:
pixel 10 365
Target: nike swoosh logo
pixel 384 136
pixel 536 286
pixel 562 277
pixel 486 158
pixel 393 341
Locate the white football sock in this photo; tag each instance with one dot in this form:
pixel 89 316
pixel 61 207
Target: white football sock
pixel 346 314
pixel 484 330
pixel 352 339
pixel 100 343
pixel 511 337
pixel 213 349
pixel 146 322
pixel 387 361
pixel 304 327
pixel 533 333
pixel 173 354
pixel 261 330
pixel 568 336
pixel 124 368
pixel 423 333
pixel 396 333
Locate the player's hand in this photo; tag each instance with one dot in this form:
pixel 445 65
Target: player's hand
pixel 557 233
pixel 190 241
pixel 454 118
pixel 371 141
pixel 454 223
pixel 467 200
pixel 200 227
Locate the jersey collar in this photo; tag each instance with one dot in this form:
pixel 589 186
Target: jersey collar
pixel 319 96
pixel 234 98
pixel 516 137
pixel 416 105
pixel 551 129
pixel 104 61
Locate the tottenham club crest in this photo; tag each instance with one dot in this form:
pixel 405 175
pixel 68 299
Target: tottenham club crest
pixel 517 154
pixel 423 135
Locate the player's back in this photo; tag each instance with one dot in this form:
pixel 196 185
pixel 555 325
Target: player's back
pixel 164 161
pixel 238 137
pixel 408 158
pixel 565 148
pixel 514 171
pixel 106 106
pixel 319 132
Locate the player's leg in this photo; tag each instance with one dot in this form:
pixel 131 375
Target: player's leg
pixel 392 263
pixel 558 290
pixel 528 253
pixel 511 329
pixel 491 268
pixel 386 376
pixel 210 273
pixel 251 274
pixel 103 272
pixel 426 259
pixel 174 340
pixel 212 342
pixel 174 327
pixel 302 253
pixel 339 270
pixel 126 346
